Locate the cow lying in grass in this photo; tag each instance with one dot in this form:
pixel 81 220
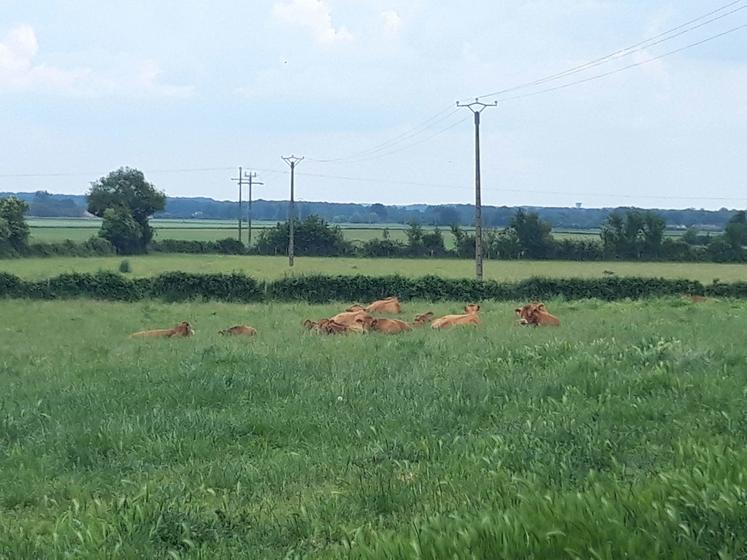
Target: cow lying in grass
pixel 388 305
pixel 326 326
pixel 239 330
pixel 535 314
pixel 390 326
pixel 182 329
pixel 470 317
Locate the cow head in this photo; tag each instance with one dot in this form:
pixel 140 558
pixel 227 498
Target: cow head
pixel 184 329
pixel 365 321
pixel 528 315
pixel 424 318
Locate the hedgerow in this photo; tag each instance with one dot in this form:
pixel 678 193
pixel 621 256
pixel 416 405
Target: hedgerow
pixel 181 286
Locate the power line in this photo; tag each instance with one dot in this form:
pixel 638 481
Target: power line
pixel 411 145
pixel 646 43
pixel 406 135
pixel 628 67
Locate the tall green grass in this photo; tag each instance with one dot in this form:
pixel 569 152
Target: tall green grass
pixel 622 433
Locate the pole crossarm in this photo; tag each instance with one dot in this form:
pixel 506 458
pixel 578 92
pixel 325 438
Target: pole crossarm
pixel 477 106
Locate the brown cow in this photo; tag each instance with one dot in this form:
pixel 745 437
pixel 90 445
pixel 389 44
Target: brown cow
pixel 536 314
pixel 390 326
pixel 326 326
pixel 470 317
pixel 388 305
pixel 423 319
pixel 239 330
pixel 180 330
pixel 353 318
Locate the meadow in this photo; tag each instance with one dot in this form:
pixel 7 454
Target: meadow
pixel 77 229
pixel 620 434
pixel 276 267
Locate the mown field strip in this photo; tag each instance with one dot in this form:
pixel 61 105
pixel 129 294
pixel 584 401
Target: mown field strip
pixel 277 267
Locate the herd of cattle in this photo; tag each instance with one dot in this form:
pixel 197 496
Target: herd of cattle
pixel 360 319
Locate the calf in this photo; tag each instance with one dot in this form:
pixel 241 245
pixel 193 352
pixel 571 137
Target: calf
pixel 470 317
pixel 180 330
pixel 536 314
pixel 423 319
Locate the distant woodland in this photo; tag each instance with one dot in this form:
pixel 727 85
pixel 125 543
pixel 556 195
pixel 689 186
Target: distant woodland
pixel 43 204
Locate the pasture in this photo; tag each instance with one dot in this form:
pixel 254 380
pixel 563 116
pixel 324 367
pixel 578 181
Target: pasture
pixel 619 434
pixel 77 229
pixel 276 267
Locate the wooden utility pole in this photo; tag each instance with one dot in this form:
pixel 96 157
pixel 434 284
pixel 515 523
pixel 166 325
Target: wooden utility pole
pixel 240 181
pixel 251 176
pixel 292 161
pixel 478 107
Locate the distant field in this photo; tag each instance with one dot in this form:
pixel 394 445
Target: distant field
pixel 53 229
pixel 275 267
pixel 620 434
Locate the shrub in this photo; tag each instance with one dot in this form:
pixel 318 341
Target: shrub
pixel 125 267
pixel 180 286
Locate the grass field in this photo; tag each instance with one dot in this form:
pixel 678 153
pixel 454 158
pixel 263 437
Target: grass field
pixel 60 229
pixel 276 267
pixel 620 434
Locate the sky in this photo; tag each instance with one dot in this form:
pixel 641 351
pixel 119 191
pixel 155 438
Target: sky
pixel 366 91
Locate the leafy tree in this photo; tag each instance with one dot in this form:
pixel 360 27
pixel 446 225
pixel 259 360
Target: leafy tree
pixel 313 237
pixel 122 231
pixel 14 231
pixel 504 245
pixel 464 242
pixel 633 235
pixel 127 189
pixel 736 230
pixel 533 234
pixel 433 243
pixel 415 239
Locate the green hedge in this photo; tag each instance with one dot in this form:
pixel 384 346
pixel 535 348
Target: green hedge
pixel 180 286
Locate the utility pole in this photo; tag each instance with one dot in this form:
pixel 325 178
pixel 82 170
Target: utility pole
pixel 478 107
pixel 251 176
pixel 241 184
pixel 292 161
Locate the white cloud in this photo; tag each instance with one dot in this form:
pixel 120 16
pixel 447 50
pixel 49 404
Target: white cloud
pixel 392 21
pixel 19 72
pixel 315 16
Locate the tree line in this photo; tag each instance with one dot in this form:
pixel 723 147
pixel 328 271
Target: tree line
pixel 126 201
pixel 44 204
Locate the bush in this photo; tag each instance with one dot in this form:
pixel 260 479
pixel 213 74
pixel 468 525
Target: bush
pixel 125 267
pixel 180 286
pixel 93 247
pixel 227 246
